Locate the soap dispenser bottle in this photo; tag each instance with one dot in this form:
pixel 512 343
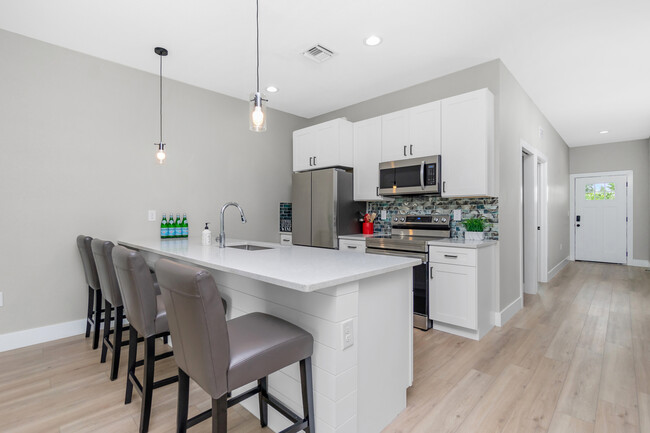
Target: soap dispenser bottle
pixel 206 235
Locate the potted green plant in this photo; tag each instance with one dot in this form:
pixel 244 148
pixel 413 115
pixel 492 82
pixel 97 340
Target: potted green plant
pixel 474 228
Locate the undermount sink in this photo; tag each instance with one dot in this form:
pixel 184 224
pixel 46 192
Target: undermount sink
pixel 249 247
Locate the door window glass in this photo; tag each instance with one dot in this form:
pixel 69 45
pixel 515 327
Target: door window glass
pixel 600 191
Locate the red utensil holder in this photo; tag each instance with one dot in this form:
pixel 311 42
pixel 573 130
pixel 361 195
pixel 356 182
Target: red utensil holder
pixel 368 228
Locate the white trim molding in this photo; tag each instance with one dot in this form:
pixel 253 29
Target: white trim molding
pixel 557 268
pixel 506 314
pixel 640 263
pixel 630 210
pixel 29 337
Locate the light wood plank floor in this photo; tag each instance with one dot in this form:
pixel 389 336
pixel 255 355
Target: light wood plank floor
pixel 576 359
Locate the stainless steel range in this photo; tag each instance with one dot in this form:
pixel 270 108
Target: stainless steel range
pixel 410 234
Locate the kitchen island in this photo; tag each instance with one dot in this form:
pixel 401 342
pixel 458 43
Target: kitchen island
pixel 360 380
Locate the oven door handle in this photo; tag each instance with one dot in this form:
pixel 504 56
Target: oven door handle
pixel 422 175
pixel 422 256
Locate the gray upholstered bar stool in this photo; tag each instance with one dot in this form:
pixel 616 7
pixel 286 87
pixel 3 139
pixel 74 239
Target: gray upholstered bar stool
pixel 147 317
pixel 222 356
pixel 112 299
pixel 94 314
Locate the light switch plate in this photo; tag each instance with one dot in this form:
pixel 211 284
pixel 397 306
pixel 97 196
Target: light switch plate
pixel 458 214
pixel 152 215
pixel 347 333
pixel 383 214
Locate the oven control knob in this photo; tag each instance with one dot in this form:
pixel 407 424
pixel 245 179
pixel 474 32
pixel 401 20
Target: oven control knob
pixel 444 220
pixel 395 219
pixel 402 219
pixel 435 220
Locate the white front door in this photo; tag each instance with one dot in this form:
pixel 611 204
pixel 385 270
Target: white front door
pixel 600 221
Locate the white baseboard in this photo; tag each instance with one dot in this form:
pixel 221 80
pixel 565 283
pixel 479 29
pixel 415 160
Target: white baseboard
pixel 506 314
pixel 640 263
pixel 553 272
pixel 29 337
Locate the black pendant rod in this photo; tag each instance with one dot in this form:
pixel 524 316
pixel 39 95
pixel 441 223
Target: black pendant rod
pixel 161 52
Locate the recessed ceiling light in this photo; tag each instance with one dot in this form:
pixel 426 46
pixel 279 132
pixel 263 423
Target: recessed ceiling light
pixel 373 40
pixel 604 132
pixel 271 89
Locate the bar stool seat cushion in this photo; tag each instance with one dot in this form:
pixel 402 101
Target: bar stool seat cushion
pixel 161 316
pixel 261 344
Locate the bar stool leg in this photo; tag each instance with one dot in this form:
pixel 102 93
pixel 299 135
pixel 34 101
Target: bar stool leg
pixel 98 318
pixel 183 401
pixel 220 415
pixel 264 406
pixel 89 316
pixel 307 393
pixel 147 385
pixel 108 311
pixel 117 341
pixel 133 351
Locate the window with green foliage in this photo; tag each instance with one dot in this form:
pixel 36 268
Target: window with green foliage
pixel 600 191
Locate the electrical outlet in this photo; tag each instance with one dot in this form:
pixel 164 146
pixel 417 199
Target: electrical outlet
pixel 152 215
pixel 458 214
pixel 383 214
pixel 347 333
pixel 2 300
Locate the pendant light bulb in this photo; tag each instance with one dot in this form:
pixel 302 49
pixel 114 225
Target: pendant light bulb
pixel 160 153
pixel 257 111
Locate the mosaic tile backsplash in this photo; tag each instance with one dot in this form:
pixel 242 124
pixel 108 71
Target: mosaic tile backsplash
pixel 285 217
pixel 487 208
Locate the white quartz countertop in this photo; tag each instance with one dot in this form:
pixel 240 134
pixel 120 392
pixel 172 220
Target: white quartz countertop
pixel 461 243
pixel 300 268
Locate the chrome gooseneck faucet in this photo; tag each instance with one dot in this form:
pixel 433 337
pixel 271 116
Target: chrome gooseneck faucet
pixel 222 234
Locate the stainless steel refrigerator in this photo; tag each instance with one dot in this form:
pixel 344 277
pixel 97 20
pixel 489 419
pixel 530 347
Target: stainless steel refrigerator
pixel 323 208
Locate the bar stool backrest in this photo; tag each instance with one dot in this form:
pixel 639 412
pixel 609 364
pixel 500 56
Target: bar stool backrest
pixel 137 289
pixel 197 323
pixel 86 253
pixel 107 279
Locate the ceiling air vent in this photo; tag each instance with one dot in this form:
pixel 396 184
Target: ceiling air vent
pixel 318 53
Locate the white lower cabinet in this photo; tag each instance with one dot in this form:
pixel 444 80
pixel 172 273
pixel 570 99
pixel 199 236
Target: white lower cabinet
pixel 352 245
pixel 461 290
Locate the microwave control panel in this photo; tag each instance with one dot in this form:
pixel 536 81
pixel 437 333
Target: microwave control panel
pixel 430 174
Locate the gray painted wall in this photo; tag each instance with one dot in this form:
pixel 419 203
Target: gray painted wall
pixel 77 137
pixel 626 155
pixel 517 118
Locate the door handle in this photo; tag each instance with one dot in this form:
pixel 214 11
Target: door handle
pixel 421 174
pixel 404 150
pixel 310 161
pixel 314 161
pixel 431 272
pixel 451 256
pixel 377 192
pixel 577 225
pixel 411 149
pixel 444 186
pixel 352 247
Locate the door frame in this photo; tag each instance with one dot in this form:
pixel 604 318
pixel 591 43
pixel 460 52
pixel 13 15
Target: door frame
pixel 629 211
pixel 536 255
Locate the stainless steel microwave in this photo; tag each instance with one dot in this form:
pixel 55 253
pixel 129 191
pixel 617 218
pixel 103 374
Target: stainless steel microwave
pixel 410 176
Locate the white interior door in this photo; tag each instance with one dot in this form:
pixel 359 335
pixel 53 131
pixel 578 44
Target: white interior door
pixel 600 222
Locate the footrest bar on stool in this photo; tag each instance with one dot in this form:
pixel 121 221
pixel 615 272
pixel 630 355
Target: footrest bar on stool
pixel 296 427
pixel 277 405
pixel 167 381
pixel 243 396
pixel 199 418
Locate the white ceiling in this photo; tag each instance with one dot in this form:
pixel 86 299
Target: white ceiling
pixel 585 63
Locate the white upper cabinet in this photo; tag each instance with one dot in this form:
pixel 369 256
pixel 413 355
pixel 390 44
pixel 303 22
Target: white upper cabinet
pixel 468 145
pixel 367 154
pixel 411 133
pixel 329 144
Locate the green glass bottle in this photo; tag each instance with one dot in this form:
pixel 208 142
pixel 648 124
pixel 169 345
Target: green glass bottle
pixel 164 229
pixel 178 231
pixel 184 227
pixel 171 233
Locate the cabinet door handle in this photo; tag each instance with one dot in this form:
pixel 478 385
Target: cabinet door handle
pixel 352 247
pixel 310 161
pixel 444 186
pixel 404 150
pixel 451 256
pixel 431 272
pixel 411 149
pixel 314 161
pixel 422 175
pixel 377 192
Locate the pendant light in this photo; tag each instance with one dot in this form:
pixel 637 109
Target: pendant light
pixel 257 114
pixel 160 153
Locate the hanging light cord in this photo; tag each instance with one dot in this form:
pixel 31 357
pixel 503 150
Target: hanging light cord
pixel 257 17
pixel 161 102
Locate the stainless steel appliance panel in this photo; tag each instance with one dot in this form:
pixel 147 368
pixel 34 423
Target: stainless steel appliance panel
pixel 348 210
pixel 301 212
pixel 410 176
pixel 324 208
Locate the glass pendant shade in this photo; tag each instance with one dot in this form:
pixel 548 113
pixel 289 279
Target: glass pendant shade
pixel 160 154
pixel 257 112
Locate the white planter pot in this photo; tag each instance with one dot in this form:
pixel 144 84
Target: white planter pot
pixel 474 236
